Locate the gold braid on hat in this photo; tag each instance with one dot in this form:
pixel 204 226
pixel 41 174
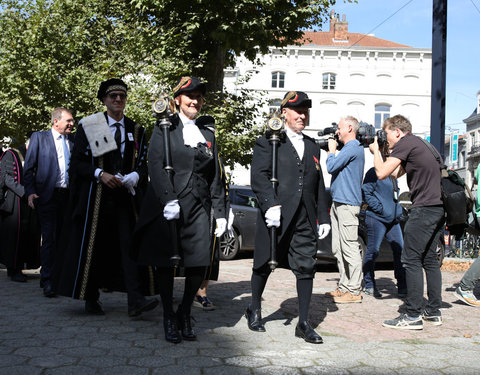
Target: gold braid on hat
pixel 183 81
pixel 115 88
pixel 289 96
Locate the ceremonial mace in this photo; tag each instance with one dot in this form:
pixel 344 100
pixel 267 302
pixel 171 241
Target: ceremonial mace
pixel 274 134
pixel 164 109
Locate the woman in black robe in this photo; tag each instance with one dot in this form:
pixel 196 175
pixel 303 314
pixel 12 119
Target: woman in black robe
pixel 197 188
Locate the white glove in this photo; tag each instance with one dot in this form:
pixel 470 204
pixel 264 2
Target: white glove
pixel 272 216
pixel 221 226
pixel 231 217
pixel 171 210
pixel 130 180
pixel 323 230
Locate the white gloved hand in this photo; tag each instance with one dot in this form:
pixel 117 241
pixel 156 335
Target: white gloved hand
pixel 171 210
pixel 130 180
pixel 272 216
pixel 231 217
pixel 323 230
pixel 221 226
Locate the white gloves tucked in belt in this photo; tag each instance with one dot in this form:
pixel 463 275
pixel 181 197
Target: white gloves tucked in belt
pixel 171 210
pixel 272 216
pixel 221 227
pixel 323 230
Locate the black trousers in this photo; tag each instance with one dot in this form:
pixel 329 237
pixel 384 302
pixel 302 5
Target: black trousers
pixel 51 216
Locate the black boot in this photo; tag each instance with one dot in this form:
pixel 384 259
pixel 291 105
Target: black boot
pixel 171 330
pixel 254 320
pixel 185 325
pixel 306 332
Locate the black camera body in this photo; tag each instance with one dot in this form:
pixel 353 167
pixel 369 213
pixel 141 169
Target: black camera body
pixel 365 135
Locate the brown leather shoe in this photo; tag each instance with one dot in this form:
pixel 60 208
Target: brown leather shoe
pixel 348 298
pixel 335 293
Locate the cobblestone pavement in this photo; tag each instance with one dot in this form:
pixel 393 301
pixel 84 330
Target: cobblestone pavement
pixel 54 336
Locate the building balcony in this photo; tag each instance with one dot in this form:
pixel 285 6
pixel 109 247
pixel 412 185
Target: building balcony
pixel 474 150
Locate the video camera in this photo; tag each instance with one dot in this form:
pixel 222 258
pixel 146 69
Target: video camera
pixel 365 135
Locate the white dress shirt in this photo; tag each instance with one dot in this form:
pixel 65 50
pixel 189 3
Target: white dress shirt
pixel 191 133
pixel 57 138
pixel 297 141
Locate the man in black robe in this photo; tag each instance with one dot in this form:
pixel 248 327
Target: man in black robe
pixel 108 171
pixel 298 205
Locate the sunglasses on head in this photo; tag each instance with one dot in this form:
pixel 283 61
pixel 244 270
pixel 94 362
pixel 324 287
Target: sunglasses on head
pixel 114 95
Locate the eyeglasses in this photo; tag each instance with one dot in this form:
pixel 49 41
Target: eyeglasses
pixel 114 95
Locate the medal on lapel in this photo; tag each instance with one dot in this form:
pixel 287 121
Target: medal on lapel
pixel 317 164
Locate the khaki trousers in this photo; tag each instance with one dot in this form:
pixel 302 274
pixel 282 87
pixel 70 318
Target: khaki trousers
pixel 345 246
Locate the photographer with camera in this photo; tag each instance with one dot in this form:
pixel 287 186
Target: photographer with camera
pixel 410 155
pixel 346 168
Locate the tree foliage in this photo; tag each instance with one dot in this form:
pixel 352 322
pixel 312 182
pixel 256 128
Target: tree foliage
pixel 55 53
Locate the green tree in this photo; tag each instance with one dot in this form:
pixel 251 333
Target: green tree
pixel 55 53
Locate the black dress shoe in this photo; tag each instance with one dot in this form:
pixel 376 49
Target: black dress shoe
pixel 254 320
pixel 306 332
pixel 145 305
pixel 171 330
pixel 93 307
pixel 48 290
pixel 185 325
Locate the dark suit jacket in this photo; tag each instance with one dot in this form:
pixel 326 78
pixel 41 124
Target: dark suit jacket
pixel 299 180
pixel 41 165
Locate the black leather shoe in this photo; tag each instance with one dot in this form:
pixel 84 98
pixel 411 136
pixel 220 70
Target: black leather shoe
pixel 48 290
pixel 185 325
pixel 145 305
pixel 93 307
pixel 171 330
pixel 306 332
pixel 254 320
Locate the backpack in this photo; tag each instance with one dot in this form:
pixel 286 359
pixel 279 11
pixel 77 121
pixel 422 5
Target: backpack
pixel 456 195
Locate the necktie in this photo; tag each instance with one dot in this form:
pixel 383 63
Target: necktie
pixel 118 135
pixel 66 156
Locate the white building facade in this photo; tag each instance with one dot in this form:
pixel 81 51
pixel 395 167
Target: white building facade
pixel 473 143
pixel 344 74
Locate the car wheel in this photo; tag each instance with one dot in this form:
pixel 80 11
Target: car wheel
pixel 362 246
pixel 229 246
pixel 440 250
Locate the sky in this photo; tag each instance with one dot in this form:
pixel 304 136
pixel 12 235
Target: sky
pixel 410 22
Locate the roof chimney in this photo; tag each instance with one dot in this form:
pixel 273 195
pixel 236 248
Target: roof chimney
pixel 340 29
pixel 332 20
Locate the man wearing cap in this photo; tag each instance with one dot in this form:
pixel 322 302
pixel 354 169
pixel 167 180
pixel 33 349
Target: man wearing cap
pixel 299 210
pixel 46 186
pixel 108 169
pixel 346 168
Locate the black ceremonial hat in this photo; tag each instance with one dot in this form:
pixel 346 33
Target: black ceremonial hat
pixel 112 84
pixel 293 99
pixel 189 84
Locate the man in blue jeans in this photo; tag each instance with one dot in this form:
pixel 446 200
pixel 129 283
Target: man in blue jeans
pixel 410 155
pixel 382 219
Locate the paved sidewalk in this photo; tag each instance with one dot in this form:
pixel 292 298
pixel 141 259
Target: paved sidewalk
pixel 54 336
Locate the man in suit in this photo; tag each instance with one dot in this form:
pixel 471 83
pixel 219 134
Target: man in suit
pixel 295 209
pixel 46 185
pixel 108 171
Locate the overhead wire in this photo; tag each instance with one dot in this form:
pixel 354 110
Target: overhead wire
pixel 381 23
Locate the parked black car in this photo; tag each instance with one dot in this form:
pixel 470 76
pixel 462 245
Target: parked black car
pixel 245 208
